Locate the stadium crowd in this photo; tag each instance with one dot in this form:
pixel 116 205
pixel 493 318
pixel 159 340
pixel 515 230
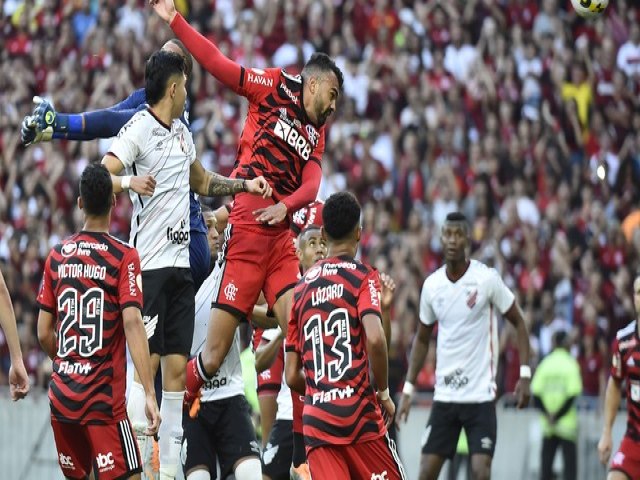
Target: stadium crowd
pixel 517 112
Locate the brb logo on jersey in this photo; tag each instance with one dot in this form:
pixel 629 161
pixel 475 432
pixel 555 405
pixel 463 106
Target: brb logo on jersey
pixel 178 236
pixel 287 132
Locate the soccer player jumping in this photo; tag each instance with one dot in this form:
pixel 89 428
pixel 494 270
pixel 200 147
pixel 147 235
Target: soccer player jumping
pixel 282 140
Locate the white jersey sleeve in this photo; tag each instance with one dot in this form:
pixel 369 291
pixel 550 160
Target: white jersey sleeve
pixel 131 141
pixel 427 316
pixel 499 294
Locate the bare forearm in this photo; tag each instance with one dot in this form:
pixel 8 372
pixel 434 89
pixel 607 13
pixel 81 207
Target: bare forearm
pixel 219 186
pixel 266 354
pixel 379 361
pixel 8 324
pixel 419 351
pixel 260 317
pixel 611 404
pixel 523 343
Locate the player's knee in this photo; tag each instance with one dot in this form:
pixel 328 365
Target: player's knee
pixel 248 469
pixel 481 470
pixel 200 474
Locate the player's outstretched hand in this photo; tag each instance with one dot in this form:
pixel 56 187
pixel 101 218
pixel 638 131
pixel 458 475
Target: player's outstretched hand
pixel 604 448
pixel 271 215
pixel 388 410
pixel 18 381
pixel 144 185
pixel 165 9
pixel 28 131
pixel 403 409
pixel 388 287
pixel 523 392
pixel 152 412
pixel 259 186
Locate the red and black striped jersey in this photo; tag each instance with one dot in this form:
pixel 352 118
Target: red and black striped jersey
pixel 326 330
pixel 88 280
pixel 306 217
pixel 277 140
pixel 625 366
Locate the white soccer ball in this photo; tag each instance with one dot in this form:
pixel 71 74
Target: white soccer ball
pixel 589 8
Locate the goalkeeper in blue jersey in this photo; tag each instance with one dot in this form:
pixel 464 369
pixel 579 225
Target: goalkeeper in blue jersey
pixel 45 124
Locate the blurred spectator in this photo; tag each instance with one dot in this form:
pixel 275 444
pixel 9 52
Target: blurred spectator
pixel 518 112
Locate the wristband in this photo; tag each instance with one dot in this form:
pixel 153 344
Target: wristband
pixel 244 184
pixel 383 395
pixel 125 182
pixel 408 388
pixel 525 371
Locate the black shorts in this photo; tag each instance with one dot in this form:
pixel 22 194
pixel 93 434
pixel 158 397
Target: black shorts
pixel 170 304
pixel 222 431
pixel 446 421
pixel 278 454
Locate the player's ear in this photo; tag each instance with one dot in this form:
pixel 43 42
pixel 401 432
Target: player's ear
pixel 80 205
pixel 113 201
pixel 172 89
pixel 358 232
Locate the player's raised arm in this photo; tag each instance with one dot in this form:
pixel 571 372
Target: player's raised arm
pixel 304 195
pixel 205 52
pixel 211 184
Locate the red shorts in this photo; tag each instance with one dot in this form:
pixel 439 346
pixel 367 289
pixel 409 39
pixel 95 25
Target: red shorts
pixel 298 404
pixel 111 448
pixel 627 458
pixel 270 380
pixel 255 259
pixel 375 460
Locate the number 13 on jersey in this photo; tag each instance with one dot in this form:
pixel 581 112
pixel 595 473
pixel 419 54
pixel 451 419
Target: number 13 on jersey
pixel 336 327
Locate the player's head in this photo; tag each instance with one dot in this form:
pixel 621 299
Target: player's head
pixel 341 218
pixel 323 81
pixel 455 237
pixel 96 191
pixel 165 81
pixel 176 46
pixel 311 247
pixel 213 237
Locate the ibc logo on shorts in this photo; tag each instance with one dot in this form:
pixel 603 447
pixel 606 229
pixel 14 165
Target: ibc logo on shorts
pixel 65 462
pixel 105 462
pixel 380 476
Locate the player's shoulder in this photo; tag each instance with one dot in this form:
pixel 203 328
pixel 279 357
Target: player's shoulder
pixel 138 124
pixel 436 277
pixel 627 335
pixel 289 77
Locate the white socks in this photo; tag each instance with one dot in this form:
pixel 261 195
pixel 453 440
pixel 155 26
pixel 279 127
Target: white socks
pixel 170 434
pixel 135 410
pixel 249 469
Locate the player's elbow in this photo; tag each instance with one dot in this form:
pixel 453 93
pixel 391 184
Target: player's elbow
pixel 131 318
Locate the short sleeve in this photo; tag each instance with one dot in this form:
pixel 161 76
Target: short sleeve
pixel 499 294
pixel 617 366
pixel 292 341
pixel 128 144
pixel 130 281
pixel 427 315
pixel 46 299
pixel 369 295
pixel 256 83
